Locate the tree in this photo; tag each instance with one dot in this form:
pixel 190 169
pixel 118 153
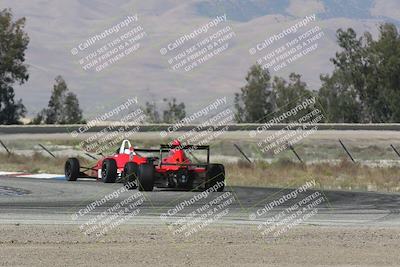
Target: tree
pixel 383 82
pixel 260 99
pixel 63 106
pixel 152 114
pixel 13 43
pixel 288 95
pixel 365 85
pixel 73 114
pixel 343 93
pixel 255 101
pixel 174 112
pixel 55 108
pixel 339 100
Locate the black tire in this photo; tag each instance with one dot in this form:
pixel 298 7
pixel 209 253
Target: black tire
pixel 109 171
pixel 130 175
pixel 71 169
pixel 146 177
pixel 215 175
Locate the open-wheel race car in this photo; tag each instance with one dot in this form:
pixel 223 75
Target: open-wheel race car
pixel 175 170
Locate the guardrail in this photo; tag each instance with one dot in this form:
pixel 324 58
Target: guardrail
pixel 41 129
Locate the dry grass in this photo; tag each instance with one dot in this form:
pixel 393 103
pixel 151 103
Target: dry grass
pixel 343 176
pixel 35 163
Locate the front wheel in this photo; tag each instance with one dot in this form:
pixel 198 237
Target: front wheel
pixel 215 177
pixel 109 171
pixel 71 169
pixel 146 177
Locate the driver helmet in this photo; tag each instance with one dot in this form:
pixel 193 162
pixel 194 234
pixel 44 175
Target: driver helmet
pixel 176 143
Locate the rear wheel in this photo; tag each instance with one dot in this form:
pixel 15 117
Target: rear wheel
pixel 130 175
pixel 71 169
pixel 146 177
pixel 109 171
pixel 215 177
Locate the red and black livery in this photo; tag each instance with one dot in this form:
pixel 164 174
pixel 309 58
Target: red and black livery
pixel 174 170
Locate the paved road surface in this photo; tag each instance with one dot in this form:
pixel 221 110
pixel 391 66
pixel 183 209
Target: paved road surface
pixel 44 201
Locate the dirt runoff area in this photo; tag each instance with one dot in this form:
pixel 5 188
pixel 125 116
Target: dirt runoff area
pixel 154 245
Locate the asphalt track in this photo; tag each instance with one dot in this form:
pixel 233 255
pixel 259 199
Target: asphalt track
pixel 47 201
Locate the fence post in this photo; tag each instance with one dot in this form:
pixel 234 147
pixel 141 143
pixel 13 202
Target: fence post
pixel 90 156
pixel 244 155
pixel 395 150
pixel 345 149
pixel 294 152
pixel 48 151
pixel 5 147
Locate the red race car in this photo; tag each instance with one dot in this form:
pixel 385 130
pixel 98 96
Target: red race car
pixel 176 170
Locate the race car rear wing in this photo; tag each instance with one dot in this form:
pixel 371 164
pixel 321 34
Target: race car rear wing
pixel 195 147
pixel 167 148
pixel 149 150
